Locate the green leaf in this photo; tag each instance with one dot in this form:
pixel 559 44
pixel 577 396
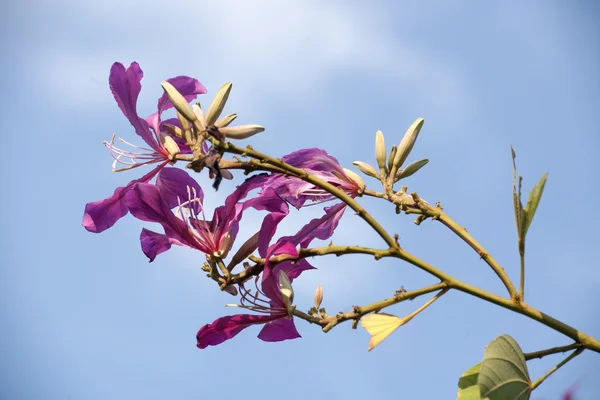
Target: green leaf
pixel 411 169
pixel 503 374
pixel 518 206
pixel 467 384
pixel 532 203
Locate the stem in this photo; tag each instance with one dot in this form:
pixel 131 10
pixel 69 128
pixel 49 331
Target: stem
pixel 522 257
pixel 556 367
pixel 437 213
pixel 379 305
pixel 553 350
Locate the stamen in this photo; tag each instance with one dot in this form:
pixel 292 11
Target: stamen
pixel 130 158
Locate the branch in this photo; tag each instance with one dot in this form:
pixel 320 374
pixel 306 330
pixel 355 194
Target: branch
pixel 556 367
pixel 553 350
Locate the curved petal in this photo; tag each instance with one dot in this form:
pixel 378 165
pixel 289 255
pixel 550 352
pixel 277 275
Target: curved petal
pixel 154 243
pixel 173 184
pixel 125 86
pixel 145 203
pixel 279 330
pixel 101 215
pixel 314 159
pixel 318 228
pixel 225 328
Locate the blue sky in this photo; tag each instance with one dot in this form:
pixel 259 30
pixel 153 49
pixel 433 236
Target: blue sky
pixel 87 317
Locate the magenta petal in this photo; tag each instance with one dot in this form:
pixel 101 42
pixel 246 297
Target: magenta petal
pixel 125 86
pixel 188 87
pixel 173 184
pixel 145 203
pixel 154 243
pixel 318 228
pixel 101 215
pixel 314 159
pixel 279 330
pixel 228 327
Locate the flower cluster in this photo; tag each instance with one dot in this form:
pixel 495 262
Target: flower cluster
pixel 175 201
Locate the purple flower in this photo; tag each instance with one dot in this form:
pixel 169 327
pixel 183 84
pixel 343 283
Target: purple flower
pixel 297 192
pixel 274 309
pixel 125 86
pixel 190 227
pixel 320 164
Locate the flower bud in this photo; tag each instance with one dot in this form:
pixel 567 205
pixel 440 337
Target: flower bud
pixel 285 288
pixel 411 169
pixel 200 115
pixel 241 132
pixel 179 102
pixel 380 150
pixel 407 143
pixel 217 105
pixel 231 290
pixel 170 145
pixel 366 169
pixel 225 121
pixel 318 296
pixel 392 156
pixel 354 177
pixel 173 130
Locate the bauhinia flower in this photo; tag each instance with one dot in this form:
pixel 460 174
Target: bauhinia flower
pixel 298 192
pixel 125 86
pixel 273 304
pixel 188 226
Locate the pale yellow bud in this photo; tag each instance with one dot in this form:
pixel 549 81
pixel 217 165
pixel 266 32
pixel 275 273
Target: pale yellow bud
pixel 318 296
pixel 285 288
pixel 225 121
pixel 356 179
pixel 216 107
pixel 411 169
pixel 241 132
pixel 179 102
pixel 380 152
pixel 407 142
pixel 366 169
pixel 170 145
pixel 200 115
pixel 391 157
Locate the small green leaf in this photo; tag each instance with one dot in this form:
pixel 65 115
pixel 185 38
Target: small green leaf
pixel 411 169
pixel 532 203
pixel 503 374
pixel 517 194
pixel 467 384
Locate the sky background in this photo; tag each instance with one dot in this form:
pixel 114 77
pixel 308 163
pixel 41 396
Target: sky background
pixel 85 316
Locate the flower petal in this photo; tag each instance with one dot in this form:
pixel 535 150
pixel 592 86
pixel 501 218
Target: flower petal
pixel 125 86
pixel 101 215
pixel 145 203
pixel 225 328
pixel 318 228
pixel 279 330
pixel 173 184
pixel 154 243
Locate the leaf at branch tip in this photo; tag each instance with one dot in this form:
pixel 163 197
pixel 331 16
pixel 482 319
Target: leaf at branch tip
pixel 366 169
pixel 532 203
pixel 411 169
pixel 467 384
pixel 380 326
pixel 517 205
pixel 503 374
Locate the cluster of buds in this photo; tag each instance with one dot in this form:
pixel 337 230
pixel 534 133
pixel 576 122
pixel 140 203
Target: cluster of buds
pixel 198 127
pixel 390 169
